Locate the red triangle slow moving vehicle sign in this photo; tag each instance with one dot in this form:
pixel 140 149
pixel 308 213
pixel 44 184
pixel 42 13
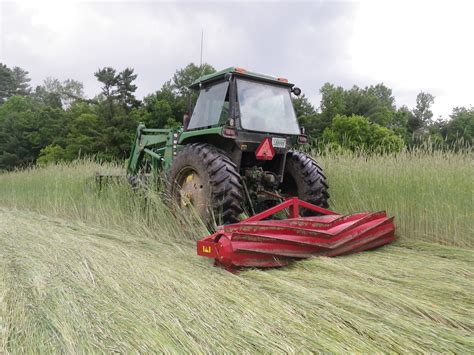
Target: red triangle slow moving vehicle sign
pixel 265 150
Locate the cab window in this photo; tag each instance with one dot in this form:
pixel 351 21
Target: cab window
pixel 212 106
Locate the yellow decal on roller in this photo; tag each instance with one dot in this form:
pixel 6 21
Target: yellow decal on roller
pixel 206 250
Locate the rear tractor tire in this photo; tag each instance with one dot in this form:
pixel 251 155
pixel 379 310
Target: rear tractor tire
pixel 305 178
pixel 205 178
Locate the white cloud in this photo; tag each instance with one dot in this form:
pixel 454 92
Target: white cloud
pixel 417 46
pixel 409 45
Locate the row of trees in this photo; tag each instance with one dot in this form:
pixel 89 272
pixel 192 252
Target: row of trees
pixel 55 121
pixel 343 113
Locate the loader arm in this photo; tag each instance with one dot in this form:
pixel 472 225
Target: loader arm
pixel 157 144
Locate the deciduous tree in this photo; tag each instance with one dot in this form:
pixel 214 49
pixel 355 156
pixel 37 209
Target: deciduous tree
pixel 358 133
pixel 421 113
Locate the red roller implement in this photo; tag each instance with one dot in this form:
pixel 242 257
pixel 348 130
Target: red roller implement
pixel 261 242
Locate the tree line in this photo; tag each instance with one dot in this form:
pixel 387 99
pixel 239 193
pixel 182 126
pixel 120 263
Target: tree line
pixel 55 121
pixel 368 118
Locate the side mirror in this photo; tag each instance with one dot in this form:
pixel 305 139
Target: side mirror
pixel 302 130
pixel 186 119
pixel 296 91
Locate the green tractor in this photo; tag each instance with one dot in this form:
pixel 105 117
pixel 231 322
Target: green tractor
pixel 238 151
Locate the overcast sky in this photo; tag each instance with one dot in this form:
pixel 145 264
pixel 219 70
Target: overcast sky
pixel 411 46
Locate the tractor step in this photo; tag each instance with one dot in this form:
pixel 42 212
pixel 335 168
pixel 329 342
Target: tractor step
pixel 262 242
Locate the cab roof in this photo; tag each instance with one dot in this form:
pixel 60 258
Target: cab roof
pixel 237 71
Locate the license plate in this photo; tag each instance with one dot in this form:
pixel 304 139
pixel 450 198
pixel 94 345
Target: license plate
pixel 279 142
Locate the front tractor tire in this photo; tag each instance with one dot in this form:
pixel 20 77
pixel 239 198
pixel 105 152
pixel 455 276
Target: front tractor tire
pixel 305 178
pixel 204 178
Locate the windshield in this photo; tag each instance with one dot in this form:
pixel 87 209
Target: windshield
pixel 266 108
pixel 212 106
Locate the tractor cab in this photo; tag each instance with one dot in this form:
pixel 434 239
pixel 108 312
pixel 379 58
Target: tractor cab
pixel 245 101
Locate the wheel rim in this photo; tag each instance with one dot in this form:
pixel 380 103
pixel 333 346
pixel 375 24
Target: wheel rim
pixel 190 190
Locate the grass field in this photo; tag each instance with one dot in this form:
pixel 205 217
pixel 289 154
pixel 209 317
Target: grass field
pixel 88 271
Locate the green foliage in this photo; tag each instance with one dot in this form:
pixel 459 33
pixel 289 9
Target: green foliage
pixel 85 137
pixel 126 88
pixel 399 123
pixel 59 94
pixel 50 154
pixel 5 82
pixel 109 78
pixel 118 90
pixel 47 96
pixel 20 82
pixel 26 128
pixel 166 107
pixel 116 116
pixel 422 113
pixel 460 129
pixel 376 103
pixel 332 104
pixel 401 118
pixel 13 82
pixel 306 113
pixel 455 133
pixel 163 106
pixel 56 122
pixel 302 106
pixel 186 76
pixel 357 133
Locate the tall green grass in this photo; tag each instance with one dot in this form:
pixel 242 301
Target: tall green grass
pixel 430 193
pixel 70 191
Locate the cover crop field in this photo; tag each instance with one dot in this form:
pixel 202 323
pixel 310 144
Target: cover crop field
pixel 87 271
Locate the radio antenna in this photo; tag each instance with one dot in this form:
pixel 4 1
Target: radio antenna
pixel 202 41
